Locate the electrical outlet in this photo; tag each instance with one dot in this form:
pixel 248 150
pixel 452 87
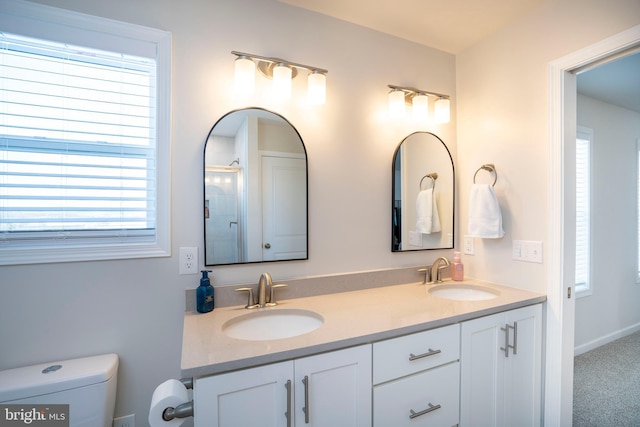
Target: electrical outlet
pixel 126 421
pixel 468 245
pixel 188 260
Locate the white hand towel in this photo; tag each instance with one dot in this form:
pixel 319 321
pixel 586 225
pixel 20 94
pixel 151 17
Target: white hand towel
pixel 435 218
pixel 485 218
pixel 427 219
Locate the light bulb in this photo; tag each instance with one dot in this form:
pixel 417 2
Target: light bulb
pixel 317 88
pixel 442 113
pixel 245 75
pixel 420 106
pixel 396 103
pixel 282 81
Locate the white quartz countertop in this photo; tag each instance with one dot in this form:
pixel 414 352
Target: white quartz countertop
pixel 350 318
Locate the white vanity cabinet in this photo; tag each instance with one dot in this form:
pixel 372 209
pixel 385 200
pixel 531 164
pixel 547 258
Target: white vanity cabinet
pixel 501 369
pixel 416 379
pixel 331 389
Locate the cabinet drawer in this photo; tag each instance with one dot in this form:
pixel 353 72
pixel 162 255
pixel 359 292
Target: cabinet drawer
pixel 436 389
pixel 413 353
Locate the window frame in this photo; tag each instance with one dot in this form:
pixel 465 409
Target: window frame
pixel 49 23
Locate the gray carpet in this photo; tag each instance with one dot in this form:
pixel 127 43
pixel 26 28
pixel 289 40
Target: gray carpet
pixel 606 385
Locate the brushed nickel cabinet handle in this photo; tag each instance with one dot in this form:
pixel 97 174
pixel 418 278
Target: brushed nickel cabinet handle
pixel 431 408
pixel 287 385
pixel 305 409
pixel 508 346
pixel 431 352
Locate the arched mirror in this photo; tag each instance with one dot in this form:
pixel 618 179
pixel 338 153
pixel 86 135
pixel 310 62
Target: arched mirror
pixel 422 194
pixel 255 190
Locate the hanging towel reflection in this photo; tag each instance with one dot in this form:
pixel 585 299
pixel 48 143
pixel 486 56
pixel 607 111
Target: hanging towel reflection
pixel 427 218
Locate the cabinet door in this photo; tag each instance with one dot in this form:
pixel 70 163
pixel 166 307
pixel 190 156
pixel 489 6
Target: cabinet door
pixel 500 375
pixel 482 371
pixel 522 374
pixel 334 389
pixel 247 398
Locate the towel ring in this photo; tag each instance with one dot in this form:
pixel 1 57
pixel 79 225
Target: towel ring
pixel 489 167
pixel 433 176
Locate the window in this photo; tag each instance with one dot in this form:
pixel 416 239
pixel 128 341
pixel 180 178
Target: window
pixel 583 207
pixel 638 211
pixel 83 138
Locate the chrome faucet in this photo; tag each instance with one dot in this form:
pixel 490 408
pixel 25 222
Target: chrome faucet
pixel 264 284
pixel 433 274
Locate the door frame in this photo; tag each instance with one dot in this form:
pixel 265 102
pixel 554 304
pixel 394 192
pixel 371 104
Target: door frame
pixel 560 315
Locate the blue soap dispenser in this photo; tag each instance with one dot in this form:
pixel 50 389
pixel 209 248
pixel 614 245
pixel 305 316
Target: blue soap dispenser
pixel 204 294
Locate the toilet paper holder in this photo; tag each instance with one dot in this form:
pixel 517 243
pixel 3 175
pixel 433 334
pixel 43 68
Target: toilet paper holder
pixel 183 410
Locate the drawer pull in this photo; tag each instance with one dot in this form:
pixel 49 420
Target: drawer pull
pixel 431 408
pixel 413 357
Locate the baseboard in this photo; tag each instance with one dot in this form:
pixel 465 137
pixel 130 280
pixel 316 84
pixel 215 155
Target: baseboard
pixel 606 339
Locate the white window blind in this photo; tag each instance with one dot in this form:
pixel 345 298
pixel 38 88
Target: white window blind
pixel 80 160
pixel 77 154
pixel 583 222
pixel 638 211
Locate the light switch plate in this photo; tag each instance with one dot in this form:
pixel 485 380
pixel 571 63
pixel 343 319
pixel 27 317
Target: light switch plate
pixel 468 245
pixel 527 250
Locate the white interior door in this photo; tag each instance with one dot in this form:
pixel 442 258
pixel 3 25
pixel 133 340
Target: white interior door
pixel 284 208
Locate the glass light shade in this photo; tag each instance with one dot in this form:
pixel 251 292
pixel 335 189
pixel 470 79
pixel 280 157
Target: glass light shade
pixel 282 81
pixel 442 113
pixel 396 103
pixel 420 106
pixel 245 75
pixel 317 88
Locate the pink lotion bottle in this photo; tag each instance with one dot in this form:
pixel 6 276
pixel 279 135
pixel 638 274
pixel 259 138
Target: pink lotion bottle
pixel 457 268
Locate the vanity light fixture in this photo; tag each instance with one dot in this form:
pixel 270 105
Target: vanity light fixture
pixel 399 96
pixel 442 110
pixel 396 103
pixel 281 72
pixel 245 75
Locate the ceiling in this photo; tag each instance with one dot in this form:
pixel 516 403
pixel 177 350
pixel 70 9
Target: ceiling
pixel 455 25
pixel 616 82
pixel 448 25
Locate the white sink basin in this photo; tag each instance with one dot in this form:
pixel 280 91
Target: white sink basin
pixel 272 324
pixel 463 292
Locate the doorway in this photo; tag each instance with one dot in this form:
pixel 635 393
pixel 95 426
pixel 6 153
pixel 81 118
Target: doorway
pixel 561 271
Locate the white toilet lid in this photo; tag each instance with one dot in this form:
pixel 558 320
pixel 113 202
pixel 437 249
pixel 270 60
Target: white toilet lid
pixel 36 380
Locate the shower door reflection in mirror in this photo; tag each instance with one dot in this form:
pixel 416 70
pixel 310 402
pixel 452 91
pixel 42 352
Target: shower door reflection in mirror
pixel 222 211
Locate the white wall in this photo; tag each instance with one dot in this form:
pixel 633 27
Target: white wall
pixel 135 307
pixel 614 256
pixel 502 86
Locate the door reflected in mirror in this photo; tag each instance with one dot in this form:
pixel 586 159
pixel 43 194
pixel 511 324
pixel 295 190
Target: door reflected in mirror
pixel 255 190
pixel 422 210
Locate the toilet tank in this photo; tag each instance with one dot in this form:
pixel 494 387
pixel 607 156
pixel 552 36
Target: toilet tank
pixel 87 385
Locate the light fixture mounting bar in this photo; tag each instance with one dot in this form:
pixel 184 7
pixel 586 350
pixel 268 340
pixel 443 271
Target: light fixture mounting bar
pixel 415 91
pixel 279 61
